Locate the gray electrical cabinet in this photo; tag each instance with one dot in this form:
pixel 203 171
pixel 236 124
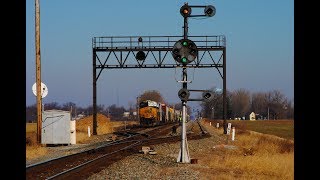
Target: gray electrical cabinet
pixel 56 127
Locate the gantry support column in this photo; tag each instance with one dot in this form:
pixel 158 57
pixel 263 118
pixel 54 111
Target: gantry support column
pixel 94 96
pixel 224 98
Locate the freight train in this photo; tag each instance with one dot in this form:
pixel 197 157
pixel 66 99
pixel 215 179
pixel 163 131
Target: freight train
pixel 152 113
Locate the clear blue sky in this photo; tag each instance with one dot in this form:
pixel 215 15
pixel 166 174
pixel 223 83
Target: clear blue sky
pixel 260 47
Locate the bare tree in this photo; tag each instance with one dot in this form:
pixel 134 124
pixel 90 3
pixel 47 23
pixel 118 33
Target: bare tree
pixel 89 110
pixel 153 95
pixel 67 106
pixel 240 100
pixel 277 104
pixel 289 111
pixel 131 106
pixel 116 113
pixel 259 104
pixel 31 113
pixel 52 105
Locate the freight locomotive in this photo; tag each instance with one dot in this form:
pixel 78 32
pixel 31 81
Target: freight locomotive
pixel 152 113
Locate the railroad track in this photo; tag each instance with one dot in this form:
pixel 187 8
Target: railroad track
pixel 86 163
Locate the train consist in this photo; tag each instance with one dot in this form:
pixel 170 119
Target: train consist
pixel 152 113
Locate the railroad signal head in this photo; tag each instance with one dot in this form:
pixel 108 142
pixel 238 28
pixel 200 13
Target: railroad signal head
pixel 210 11
pixel 184 51
pixel 184 94
pixel 185 10
pixel 207 96
pixel 140 56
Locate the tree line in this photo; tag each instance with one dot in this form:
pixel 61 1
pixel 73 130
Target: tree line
pixel 76 111
pixel 271 105
pixel 113 111
pixel 240 103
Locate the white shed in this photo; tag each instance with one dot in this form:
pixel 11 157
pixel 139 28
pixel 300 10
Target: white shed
pixel 58 128
pixel 252 116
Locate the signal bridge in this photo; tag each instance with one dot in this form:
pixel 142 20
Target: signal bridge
pixel 118 52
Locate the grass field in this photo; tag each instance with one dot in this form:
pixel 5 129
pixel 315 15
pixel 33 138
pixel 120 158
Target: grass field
pixel 281 128
pixel 268 154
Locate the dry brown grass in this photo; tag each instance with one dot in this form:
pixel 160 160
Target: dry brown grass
pixel 266 166
pixel 31 127
pixel 33 149
pixel 258 156
pixel 104 126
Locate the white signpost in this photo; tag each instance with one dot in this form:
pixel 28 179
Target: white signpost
pixel 233 133
pixel 229 128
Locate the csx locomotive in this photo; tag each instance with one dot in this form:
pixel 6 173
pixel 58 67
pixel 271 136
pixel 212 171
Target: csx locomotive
pixel 152 113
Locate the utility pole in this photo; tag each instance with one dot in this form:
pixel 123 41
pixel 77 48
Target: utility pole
pixel 38 72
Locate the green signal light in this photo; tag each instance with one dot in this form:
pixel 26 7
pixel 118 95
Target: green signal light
pixel 184 60
pixel 185 43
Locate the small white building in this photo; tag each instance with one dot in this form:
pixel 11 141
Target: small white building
pixel 252 116
pixel 58 128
